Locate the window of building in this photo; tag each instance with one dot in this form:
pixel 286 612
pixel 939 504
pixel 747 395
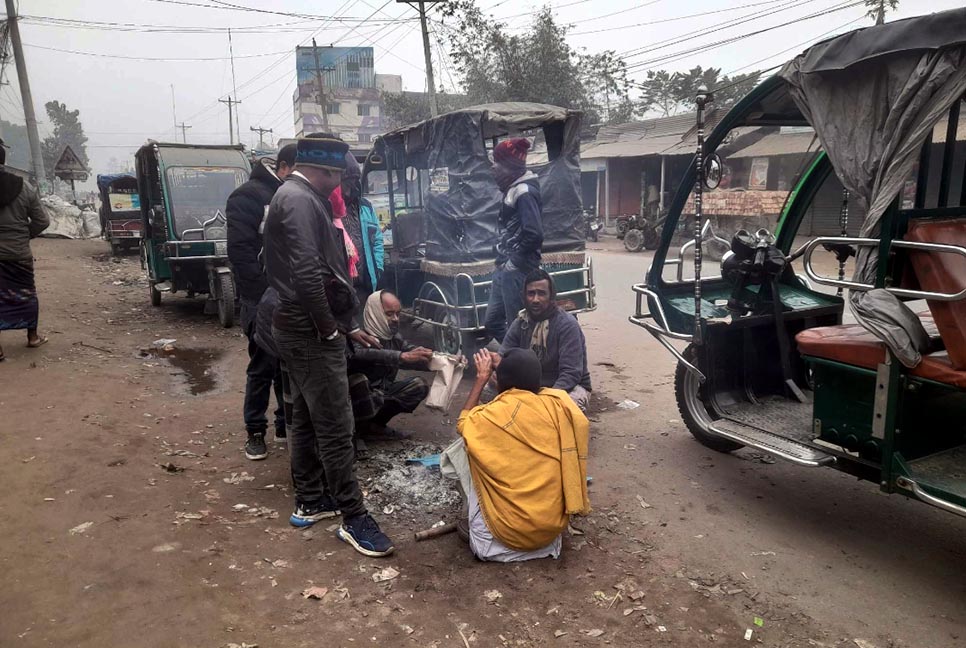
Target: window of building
pixel 364 109
pixel 332 108
pixel 365 138
pixel 352 66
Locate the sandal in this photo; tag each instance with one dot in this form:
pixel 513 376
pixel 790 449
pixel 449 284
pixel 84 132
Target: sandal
pixel 42 340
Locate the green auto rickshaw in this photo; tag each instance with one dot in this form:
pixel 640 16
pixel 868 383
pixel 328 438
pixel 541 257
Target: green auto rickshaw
pixel 183 190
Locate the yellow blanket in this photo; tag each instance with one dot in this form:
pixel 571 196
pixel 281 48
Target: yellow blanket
pixel 528 458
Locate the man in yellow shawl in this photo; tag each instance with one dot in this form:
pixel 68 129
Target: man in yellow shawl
pixel 522 461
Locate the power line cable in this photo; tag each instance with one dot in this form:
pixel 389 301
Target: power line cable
pixel 195 59
pixel 673 19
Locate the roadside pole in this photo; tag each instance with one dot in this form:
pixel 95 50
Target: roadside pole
pixel 323 104
pixel 231 124
pixel 36 156
pixel 420 6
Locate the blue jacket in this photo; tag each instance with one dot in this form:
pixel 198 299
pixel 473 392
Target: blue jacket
pixel 372 248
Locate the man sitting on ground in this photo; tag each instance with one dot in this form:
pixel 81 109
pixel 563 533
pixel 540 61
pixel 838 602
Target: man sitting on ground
pixel 554 336
pixel 381 319
pixel 522 461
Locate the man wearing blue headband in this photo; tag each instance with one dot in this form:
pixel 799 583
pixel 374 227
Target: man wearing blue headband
pixel 306 263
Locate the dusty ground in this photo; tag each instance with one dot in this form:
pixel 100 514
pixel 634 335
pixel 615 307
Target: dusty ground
pixel 121 523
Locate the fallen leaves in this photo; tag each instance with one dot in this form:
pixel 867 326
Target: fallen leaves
pixel 238 478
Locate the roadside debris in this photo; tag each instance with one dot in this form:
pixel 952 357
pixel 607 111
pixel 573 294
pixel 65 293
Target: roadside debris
pixel 492 595
pixel 628 404
pixel 81 528
pixel 596 632
pixel 315 592
pixel 386 574
pixel 644 505
pixel 238 478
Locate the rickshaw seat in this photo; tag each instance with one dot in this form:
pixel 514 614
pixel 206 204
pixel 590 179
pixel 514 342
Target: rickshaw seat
pixel 853 345
pixel 943 272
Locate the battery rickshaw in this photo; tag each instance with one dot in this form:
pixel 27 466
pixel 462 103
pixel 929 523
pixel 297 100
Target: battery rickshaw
pixel 768 356
pixel 443 205
pixel 183 190
pixel 120 211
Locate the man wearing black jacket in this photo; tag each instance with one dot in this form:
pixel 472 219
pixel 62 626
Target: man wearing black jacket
pixel 307 263
pixel 247 208
pixel 521 234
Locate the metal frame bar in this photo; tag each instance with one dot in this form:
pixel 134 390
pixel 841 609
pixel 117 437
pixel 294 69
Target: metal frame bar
pixel 474 307
pixel 949 151
pixel 660 329
pixel 900 292
pixel 911 485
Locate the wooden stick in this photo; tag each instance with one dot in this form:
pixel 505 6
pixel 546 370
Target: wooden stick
pixel 435 532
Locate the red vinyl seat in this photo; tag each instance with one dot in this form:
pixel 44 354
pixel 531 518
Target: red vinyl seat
pixel 853 345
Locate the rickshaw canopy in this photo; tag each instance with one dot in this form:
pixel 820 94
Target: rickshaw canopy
pixel 873 97
pixel 458 206
pixel 104 181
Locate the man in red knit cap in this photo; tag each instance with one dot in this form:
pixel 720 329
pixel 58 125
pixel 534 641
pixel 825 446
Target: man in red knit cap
pixel 521 233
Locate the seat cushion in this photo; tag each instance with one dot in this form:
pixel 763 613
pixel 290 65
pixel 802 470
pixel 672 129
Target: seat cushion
pixel 942 272
pixel 853 345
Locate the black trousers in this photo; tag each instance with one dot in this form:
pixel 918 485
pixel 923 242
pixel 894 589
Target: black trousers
pixel 320 436
pixel 263 373
pixel 401 397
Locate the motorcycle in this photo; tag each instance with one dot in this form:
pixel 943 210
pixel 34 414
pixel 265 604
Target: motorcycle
pixel 593 225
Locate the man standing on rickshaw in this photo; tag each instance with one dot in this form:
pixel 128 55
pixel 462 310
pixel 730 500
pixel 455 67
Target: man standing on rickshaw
pixel 521 226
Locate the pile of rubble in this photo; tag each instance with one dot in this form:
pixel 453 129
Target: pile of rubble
pixel 70 221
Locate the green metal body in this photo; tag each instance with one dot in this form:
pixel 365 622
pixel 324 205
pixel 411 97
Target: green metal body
pixel 890 427
pixel 186 264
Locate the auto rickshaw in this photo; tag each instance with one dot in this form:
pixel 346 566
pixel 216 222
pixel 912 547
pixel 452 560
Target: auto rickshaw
pixel 183 190
pixel 435 181
pixel 120 211
pixel 875 119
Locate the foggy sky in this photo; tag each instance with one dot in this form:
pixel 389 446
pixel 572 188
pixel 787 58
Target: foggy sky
pixel 123 102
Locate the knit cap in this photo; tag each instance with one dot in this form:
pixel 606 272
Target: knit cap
pixel 512 153
pixel 325 152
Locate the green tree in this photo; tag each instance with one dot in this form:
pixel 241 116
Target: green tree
pixel 496 65
pixel 673 93
pixel 604 77
pixel 403 108
pixel 67 131
pixel 879 8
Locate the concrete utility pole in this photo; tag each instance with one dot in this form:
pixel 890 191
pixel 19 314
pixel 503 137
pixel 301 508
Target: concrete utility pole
pixel 36 156
pixel 261 134
pixel 318 79
pixel 231 125
pixel 420 6
pixel 183 127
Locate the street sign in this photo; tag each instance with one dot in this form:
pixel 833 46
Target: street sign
pixel 69 166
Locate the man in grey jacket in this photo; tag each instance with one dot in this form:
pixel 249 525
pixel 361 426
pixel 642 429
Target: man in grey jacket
pixel 306 263
pixel 554 335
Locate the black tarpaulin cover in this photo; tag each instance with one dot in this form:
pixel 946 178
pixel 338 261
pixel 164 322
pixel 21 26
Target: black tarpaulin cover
pixel 462 202
pixel 873 96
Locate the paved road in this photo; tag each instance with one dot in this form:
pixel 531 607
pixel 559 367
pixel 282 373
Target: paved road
pixel 858 562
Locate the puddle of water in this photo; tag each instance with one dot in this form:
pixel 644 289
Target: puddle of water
pixel 194 366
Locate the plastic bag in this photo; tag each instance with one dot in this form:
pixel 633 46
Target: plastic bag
pixel 449 373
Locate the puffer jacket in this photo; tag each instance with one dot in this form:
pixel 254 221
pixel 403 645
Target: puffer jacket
pixel 521 225
pixel 22 217
pixel 305 259
pixel 246 210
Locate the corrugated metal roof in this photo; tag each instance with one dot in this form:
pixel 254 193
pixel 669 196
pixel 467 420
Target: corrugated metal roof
pixel 661 136
pixel 630 148
pixel 779 144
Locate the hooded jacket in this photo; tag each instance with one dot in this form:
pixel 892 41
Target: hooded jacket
pixel 22 217
pixel 305 259
pixel 246 210
pixel 521 224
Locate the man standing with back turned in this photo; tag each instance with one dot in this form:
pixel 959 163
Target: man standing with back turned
pixel 521 225
pixel 305 258
pixel 246 210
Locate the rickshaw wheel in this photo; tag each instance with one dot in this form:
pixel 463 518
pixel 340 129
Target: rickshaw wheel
pixel 634 240
pixel 226 300
pixel 155 296
pixel 694 412
pixel 622 227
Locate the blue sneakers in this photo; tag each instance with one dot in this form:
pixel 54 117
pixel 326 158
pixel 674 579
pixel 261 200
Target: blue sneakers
pixel 306 515
pixel 364 535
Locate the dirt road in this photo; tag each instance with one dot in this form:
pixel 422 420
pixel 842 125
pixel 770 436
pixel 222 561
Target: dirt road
pixel 130 517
